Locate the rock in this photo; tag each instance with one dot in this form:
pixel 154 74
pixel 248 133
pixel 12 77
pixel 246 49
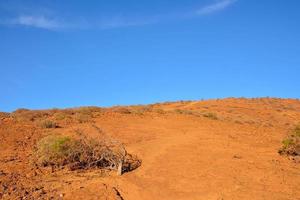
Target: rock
pixel 237 157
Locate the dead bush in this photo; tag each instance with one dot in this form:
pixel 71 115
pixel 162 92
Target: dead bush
pixel 84 153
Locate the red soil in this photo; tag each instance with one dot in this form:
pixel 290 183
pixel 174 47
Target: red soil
pixel 215 149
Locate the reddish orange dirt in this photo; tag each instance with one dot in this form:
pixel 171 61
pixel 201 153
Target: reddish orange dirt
pixel 214 149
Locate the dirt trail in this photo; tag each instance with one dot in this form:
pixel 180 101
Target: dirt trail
pixel 207 162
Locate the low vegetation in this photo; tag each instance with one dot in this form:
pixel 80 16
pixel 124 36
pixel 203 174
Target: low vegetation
pixel 60 116
pixel 83 153
pixel 184 112
pixel 82 118
pixel 210 116
pixel 291 145
pixel 121 110
pixel 26 115
pixel 48 124
pixel 4 115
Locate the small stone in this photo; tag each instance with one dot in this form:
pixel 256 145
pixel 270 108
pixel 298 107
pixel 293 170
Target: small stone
pixel 237 157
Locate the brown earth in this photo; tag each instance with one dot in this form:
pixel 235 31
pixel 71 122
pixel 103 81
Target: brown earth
pixel 214 149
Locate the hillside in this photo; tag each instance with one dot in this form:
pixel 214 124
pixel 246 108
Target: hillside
pixel 211 149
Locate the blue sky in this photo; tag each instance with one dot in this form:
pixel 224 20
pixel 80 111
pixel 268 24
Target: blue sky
pixel 66 53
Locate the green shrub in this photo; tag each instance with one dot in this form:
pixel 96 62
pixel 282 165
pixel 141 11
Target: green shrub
pixel 287 142
pixel 53 150
pixel 291 145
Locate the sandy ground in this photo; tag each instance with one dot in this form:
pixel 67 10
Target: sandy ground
pixel 216 149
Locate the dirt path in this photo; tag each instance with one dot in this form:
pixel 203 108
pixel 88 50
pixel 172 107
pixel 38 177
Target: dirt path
pixel 210 162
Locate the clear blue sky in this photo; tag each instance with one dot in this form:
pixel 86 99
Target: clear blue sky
pixel 66 53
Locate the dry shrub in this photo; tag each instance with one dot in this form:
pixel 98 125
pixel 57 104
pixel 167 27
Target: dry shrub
pixel 22 114
pixel 185 112
pixel 48 124
pixel 297 131
pixel 140 109
pixel 291 145
pixel 21 110
pixel 25 115
pixel 160 111
pixel 83 118
pixel 4 115
pixel 60 116
pixel 188 112
pixel 210 116
pixel 122 110
pixel 83 153
pixel 89 110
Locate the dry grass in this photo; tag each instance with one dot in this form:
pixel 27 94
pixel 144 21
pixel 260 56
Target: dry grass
pixel 83 118
pixel 60 116
pixel 121 110
pixel 184 112
pixel 25 115
pixel 140 109
pixel 81 114
pixel 211 116
pixel 48 124
pixel 4 115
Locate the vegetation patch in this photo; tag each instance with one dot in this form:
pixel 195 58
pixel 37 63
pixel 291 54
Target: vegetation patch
pixel 122 110
pixel 60 116
pixel 83 153
pixel 48 124
pixel 4 115
pixel 297 131
pixel 210 116
pixel 184 112
pixel 141 110
pixel 25 115
pixel 160 111
pixel 83 118
pixel 291 145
